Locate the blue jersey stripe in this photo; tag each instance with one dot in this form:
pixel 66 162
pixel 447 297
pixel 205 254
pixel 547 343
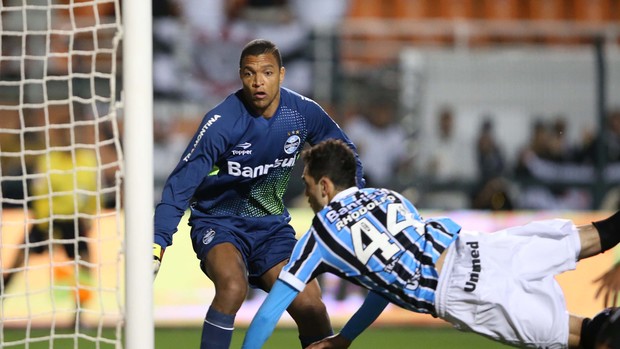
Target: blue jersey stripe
pixel 377 239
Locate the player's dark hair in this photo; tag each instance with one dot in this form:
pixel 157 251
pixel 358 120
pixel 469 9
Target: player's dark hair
pixel 333 159
pixel 261 47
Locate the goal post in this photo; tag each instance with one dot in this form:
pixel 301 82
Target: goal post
pixel 138 148
pixel 76 209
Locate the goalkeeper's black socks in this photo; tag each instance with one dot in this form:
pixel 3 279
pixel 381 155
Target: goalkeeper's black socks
pixel 217 330
pixel 608 231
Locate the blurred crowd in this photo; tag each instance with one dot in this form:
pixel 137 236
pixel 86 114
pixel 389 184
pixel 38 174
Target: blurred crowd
pixel 550 170
pixel 200 40
pixel 28 135
pixel 195 52
pixel 439 171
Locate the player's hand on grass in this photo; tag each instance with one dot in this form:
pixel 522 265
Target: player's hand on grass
pixel 331 342
pixel 609 286
pixel 158 255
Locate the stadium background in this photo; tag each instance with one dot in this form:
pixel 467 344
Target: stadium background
pixel 513 61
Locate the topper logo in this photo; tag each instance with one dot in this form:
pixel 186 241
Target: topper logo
pixel 245 150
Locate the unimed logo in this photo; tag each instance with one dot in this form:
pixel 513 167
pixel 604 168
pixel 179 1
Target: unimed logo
pixel 476 266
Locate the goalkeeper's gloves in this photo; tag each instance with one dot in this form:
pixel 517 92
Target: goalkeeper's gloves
pixel 158 255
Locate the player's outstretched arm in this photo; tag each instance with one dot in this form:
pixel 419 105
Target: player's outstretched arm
pixel 265 320
pixel 609 286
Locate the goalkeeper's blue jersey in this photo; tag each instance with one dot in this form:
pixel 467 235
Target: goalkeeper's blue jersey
pixel 377 239
pixel 238 164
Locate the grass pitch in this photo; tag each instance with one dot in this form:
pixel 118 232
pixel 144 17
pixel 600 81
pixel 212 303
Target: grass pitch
pixel 283 338
pixel 389 337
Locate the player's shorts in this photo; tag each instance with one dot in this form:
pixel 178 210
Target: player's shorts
pixel 502 285
pixel 263 242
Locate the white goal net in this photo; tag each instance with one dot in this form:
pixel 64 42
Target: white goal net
pixel 61 236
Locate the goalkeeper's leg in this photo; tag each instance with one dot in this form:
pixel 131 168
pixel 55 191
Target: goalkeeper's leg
pixel 307 310
pixel 310 315
pixel 225 266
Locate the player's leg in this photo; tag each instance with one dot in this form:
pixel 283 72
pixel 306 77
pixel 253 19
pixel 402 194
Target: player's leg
pixel 514 297
pixel 36 235
pixel 575 325
pixel 599 236
pixel 307 310
pixel 590 241
pixel 585 331
pixel 225 266
pixel 82 232
pixel 72 235
pixel 8 273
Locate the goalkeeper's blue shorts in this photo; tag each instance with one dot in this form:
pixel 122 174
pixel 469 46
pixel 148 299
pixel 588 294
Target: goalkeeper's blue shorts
pixel 263 242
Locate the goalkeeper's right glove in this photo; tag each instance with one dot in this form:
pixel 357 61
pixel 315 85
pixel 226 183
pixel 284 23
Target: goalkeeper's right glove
pixel 158 255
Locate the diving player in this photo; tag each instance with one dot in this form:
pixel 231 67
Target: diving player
pixel 500 285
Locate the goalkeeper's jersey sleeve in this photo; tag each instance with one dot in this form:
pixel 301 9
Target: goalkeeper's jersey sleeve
pixel 377 239
pixel 239 164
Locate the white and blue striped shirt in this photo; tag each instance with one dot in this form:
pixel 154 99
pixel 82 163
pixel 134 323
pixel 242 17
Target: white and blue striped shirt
pixel 377 239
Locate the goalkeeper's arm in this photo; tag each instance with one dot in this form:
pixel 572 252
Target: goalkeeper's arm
pixel 158 255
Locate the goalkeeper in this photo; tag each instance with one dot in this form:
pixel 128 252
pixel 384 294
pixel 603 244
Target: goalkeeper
pixel 500 285
pixel 233 175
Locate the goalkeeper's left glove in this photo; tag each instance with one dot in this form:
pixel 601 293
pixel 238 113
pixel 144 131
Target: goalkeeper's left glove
pixel 158 255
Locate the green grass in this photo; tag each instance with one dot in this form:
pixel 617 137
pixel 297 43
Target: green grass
pixel 283 338
pixel 390 337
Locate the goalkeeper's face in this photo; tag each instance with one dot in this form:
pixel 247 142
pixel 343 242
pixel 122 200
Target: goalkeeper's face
pixel 261 77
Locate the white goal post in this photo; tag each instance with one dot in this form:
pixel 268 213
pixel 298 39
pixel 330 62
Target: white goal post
pixel 76 207
pixel 138 84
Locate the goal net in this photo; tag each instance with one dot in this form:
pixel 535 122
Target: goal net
pixel 60 163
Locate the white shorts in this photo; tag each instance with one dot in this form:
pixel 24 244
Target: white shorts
pixel 502 285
